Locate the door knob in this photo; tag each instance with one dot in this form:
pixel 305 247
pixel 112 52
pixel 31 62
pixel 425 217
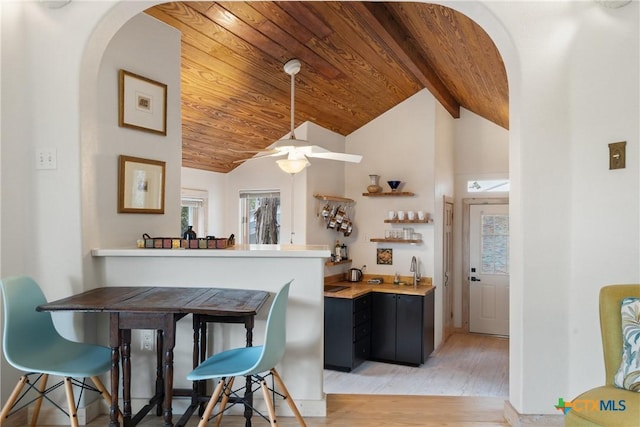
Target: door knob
pixel 475 279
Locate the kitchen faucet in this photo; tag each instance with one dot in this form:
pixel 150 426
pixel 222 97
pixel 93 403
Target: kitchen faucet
pixel 415 269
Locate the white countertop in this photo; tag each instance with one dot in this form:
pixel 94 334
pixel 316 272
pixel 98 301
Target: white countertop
pixel 236 251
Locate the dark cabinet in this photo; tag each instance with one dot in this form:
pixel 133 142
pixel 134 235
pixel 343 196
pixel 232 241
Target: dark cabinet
pixel 402 328
pixel 383 339
pixel 347 332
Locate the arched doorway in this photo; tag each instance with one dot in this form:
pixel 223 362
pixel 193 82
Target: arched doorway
pixel 122 12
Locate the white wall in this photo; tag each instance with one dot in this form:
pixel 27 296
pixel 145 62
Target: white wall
pixel 556 122
pixel 398 145
pixel 150 48
pixel 444 167
pixel 557 55
pixel 215 184
pixel 604 247
pixel 481 152
pixel 324 177
pixel 41 233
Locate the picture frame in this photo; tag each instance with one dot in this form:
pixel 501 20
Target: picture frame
pixel 142 103
pixel 141 185
pixel 384 256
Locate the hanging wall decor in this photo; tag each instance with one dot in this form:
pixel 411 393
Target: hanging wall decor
pixel 140 185
pixel 142 103
pixel 384 256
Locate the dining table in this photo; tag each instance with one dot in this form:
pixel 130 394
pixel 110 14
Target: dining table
pixel 159 308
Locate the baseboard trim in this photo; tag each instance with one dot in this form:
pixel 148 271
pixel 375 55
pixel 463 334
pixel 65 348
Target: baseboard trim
pixel 17 419
pixel 53 416
pixel 307 407
pixel 515 419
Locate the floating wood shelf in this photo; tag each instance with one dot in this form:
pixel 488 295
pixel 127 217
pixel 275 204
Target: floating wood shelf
pixel 330 198
pixel 331 263
pixel 383 240
pixel 408 221
pixel 389 193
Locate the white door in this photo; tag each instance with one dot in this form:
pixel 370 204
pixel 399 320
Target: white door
pixel 489 269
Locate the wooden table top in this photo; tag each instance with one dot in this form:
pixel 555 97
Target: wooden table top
pixel 147 299
pixel 354 290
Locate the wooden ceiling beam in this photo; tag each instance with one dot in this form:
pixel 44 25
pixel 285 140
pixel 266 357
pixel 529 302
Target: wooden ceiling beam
pixel 381 20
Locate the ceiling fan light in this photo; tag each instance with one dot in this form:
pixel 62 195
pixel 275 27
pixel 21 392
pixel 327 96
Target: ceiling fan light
pixel 292 166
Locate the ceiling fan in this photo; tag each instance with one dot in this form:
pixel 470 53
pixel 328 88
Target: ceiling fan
pixel 298 150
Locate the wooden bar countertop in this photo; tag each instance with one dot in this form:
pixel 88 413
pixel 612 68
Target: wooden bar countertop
pixel 355 289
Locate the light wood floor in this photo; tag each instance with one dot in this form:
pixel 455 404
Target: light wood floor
pixel 467 379
pixel 353 410
pixel 465 365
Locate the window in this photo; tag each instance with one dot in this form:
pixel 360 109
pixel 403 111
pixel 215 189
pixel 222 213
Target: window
pixel 488 186
pixel 260 217
pixel 194 211
pixel 494 249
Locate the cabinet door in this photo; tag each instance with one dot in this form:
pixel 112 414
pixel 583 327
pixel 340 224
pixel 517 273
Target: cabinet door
pixel 409 332
pixel 338 333
pixel 429 325
pixel 383 326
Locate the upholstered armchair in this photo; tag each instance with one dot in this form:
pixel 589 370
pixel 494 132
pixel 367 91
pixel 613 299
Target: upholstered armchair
pixel 626 409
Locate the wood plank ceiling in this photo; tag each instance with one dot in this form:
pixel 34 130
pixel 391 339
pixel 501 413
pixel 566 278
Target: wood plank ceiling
pixel 359 59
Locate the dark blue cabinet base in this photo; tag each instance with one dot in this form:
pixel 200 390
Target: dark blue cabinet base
pixel 387 327
pixel 347 332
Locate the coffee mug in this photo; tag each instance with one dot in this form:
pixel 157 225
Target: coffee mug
pixel 411 215
pixel 391 215
pixel 401 215
pixel 421 215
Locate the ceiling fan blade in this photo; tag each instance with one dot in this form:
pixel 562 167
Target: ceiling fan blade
pixel 250 151
pixel 322 153
pixel 330 155
pixel 270 153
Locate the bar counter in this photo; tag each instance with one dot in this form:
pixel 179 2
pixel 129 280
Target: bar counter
pixel 260 267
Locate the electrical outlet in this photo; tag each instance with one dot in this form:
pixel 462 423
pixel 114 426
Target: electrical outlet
pixel 46 158
pixel 148 340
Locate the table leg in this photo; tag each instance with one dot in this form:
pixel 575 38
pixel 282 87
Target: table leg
pixel 248 394
pixel 126 374
pixel 114 340
pixel 168 345
pixel 159 369
pixel 199 355
pixel 115 365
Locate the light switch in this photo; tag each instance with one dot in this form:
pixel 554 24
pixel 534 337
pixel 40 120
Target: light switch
pixel 46 158
pixel 617 155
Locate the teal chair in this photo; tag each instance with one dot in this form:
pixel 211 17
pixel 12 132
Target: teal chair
pixel 31 344
pixel 250 362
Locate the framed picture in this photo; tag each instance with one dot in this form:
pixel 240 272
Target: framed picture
pixel 140 185
pixel 384 256
pixel 142 103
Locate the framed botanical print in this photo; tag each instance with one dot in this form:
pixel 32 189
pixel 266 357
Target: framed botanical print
pixel 141 184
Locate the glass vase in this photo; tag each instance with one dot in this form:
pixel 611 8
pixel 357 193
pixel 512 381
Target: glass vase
pixel 373 186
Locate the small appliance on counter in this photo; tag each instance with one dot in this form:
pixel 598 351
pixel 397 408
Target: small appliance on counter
pixel 355 274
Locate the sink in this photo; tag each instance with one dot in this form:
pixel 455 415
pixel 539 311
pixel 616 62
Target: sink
pixel 334 288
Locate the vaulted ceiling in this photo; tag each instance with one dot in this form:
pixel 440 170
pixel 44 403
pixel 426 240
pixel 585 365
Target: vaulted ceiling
pixel 359 59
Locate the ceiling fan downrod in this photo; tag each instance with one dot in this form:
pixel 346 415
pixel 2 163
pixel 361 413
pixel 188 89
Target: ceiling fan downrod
pixel 292 67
